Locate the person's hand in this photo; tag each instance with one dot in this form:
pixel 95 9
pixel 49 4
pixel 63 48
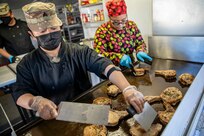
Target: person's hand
pixel 134 97
pixel 45 108
pixel 125 61
pixel 13 59
pixel 141 56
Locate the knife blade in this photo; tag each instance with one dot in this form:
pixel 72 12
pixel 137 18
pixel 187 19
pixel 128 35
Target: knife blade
pixel 146 118
pixel 83 113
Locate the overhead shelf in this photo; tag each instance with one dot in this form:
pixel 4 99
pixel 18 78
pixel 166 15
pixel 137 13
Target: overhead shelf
pixel 94 22
pixel 73 25
pixel 92 16
pixel 77 35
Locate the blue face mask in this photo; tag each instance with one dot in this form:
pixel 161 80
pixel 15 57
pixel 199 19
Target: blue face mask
pixel 50 41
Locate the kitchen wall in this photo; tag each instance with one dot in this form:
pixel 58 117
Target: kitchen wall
pixel 140 11
pixel 178 18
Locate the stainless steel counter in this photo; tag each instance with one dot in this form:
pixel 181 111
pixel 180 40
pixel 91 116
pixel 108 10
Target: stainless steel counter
pixel 8 73
pixel 197 125
pixel 13 67
pixel 7 76
pixel 186 111
pixel 186 49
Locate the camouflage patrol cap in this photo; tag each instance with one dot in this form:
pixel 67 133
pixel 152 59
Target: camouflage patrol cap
pixel 4 9
pixel 40 16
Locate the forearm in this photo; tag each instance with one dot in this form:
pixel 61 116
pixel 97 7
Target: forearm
pixel 44 108
pixel 117 78
pixel 25 100
pixel 4 53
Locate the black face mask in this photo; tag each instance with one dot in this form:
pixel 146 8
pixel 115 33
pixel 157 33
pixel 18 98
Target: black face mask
pixel 6 20
pixel 50 41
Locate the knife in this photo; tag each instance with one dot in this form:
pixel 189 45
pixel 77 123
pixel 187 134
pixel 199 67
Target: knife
pixel 145 65
pixel 146 118
pixel 132 68
pixel 148 62
pixel 83 113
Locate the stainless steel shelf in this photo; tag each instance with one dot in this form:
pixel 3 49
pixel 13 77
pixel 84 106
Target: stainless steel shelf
pixel 93 22
pixel 7 76
pixel 77 35
pixel 74 25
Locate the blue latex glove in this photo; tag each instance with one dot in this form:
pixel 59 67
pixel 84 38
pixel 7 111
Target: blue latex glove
pixel 125 61
pixel 11 59
pixel 141 56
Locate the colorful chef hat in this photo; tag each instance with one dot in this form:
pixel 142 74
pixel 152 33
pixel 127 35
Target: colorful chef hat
pixel 4 9
pixel 116 7
pixel 40 15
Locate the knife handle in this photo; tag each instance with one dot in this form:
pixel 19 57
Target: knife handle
pixel 131 66
pixel 131 110
pixel 147 62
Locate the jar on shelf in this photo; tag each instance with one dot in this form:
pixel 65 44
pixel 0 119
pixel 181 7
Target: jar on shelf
pixel 101 15
pixel 84 18
pixel 93 1
pixel 95 17
pixel 88 18
pixel 70 20
pixel 84 2
pixel 69 7
pixel 98 15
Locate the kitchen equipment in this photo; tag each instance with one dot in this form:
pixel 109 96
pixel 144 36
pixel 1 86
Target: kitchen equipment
pixel 83 113
pixel 73 32
pixel 146 118
pixel 13 133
